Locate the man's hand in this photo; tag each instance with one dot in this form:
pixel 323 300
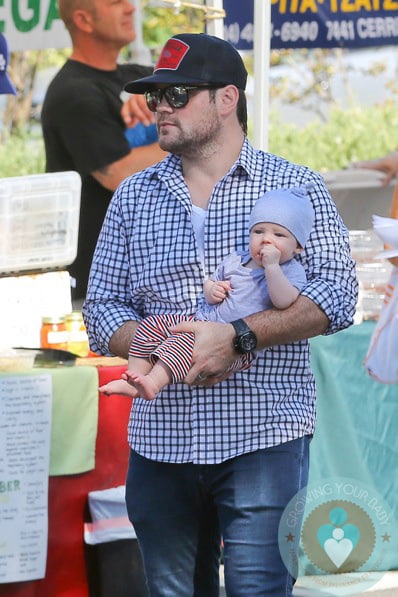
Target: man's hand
pixel 135 110
pixel 213 351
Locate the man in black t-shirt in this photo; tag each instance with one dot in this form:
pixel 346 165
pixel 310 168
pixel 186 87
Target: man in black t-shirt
pixel 84 118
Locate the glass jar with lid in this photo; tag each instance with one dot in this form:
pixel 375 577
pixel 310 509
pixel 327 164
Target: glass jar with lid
pixel 77 335
pixel 53 333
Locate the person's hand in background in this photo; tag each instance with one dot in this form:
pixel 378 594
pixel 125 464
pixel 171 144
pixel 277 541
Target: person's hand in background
pixel 387 164
pixel 135 110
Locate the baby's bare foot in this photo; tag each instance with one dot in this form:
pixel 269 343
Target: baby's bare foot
pixel 144 385
pixel 118 386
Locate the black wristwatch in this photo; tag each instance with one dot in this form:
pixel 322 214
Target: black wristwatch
pixel 245 340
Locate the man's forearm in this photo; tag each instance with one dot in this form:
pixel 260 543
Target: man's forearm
pixel 111 176
pixel 304 319
pixel 120 342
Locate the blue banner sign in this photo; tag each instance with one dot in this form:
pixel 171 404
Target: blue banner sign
pixel 316 23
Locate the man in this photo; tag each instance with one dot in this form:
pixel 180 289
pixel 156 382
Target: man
pixel 219 456
pixel 84 119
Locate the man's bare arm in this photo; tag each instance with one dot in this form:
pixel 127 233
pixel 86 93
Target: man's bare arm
pixel 213 351
pixel 139 158
pixel 303 319
pixel 120 342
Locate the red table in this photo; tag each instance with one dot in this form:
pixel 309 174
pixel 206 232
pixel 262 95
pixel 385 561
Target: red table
pixel 66 572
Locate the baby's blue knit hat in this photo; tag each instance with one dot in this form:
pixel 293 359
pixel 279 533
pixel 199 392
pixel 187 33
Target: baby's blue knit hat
pixel 291 208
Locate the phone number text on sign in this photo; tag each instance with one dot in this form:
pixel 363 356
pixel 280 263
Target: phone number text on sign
pixel 335 32
pixel 292 31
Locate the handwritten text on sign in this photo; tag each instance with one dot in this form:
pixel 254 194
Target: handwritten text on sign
pixel 25 425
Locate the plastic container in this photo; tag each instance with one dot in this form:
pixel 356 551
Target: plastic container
pixel 365 245
pixel 371 304
pixel 374 276
pixel 39 221
pixel 16 359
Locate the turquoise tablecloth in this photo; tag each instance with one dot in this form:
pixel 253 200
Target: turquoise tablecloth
pixel 357 423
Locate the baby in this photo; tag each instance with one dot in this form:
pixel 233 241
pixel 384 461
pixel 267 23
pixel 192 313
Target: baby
pixel 264 276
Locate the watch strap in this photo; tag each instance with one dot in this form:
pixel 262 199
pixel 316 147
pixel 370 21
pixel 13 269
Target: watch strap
pixel 240 326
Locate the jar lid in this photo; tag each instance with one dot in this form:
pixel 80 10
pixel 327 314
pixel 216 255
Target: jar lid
pixel 74 316
pixel 53 319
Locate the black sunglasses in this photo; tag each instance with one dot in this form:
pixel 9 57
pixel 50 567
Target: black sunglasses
pixel 176 96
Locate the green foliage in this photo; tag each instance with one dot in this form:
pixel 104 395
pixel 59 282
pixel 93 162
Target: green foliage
pixel 22 154
pixel 48 57
pixel 337 138
pixel 161 23
pixel 347 136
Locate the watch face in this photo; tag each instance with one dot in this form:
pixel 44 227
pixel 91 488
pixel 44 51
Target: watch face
pixel 245 340
pixel 248 341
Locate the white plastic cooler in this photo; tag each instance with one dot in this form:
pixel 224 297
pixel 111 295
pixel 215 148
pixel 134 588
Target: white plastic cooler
pixel 39 222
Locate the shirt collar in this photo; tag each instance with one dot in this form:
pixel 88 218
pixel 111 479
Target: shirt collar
pixel 247 161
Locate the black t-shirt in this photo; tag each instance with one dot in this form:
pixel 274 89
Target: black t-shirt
pixel 83 131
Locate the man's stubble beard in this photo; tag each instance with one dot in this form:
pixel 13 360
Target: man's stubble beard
pixel 194 143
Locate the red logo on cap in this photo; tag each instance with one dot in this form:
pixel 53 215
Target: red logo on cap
pixel 172 55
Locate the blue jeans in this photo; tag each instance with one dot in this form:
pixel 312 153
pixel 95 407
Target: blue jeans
pixel 181 511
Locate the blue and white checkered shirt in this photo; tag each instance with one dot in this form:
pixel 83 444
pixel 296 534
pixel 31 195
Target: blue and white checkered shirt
pixel 147 262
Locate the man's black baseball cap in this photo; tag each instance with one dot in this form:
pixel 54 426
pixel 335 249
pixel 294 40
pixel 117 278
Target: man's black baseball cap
pixel 194 59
